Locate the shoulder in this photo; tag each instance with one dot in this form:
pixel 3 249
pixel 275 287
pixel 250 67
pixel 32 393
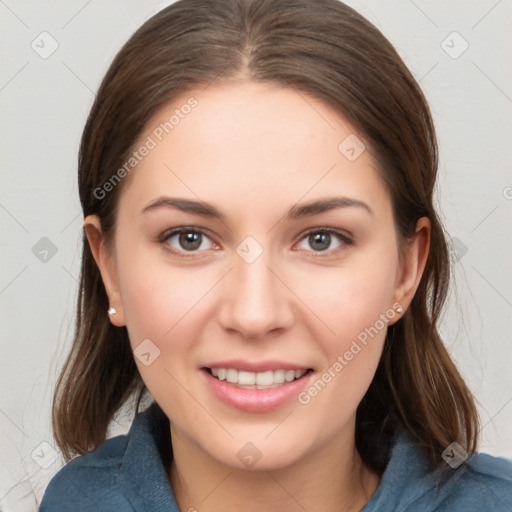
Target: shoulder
pixel 89 482
pixel 126 473
pixel 483 483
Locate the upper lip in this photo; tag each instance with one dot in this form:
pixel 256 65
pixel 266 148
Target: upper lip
pixel 256 367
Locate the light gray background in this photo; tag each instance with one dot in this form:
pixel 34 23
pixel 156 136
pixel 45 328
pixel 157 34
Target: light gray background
pixel 44 103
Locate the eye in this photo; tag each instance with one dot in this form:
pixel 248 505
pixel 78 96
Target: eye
pixel 321 240
pixel 182 240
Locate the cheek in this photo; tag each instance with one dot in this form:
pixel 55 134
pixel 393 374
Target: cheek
pixel 170 306
pixel 355 302
pixel 358 311
pixel 158 298
pixel 164 304
pixel 350 298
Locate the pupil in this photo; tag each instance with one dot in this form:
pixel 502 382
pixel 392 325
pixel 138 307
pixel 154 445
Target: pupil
pixel 323 239
pixel 190 241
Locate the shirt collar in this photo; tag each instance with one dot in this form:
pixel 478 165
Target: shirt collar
pixel 143 471
pixel 407 475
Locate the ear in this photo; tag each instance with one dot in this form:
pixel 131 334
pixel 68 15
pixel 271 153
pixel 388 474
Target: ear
pixel 413 263
pixel 105 260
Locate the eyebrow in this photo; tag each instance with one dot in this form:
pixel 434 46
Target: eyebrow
pixel 295 212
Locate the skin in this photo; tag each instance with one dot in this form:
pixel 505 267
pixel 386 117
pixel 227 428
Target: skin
pixel 254 150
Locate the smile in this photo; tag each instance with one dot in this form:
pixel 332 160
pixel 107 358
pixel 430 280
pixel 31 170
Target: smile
pixel 256 392
pixel 256 380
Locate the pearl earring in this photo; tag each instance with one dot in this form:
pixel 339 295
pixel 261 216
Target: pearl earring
pixel 112 311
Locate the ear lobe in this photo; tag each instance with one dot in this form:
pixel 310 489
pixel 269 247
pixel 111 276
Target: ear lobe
pixel 106 265
pixel 413 263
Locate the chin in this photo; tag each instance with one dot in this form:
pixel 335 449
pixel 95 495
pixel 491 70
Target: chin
pixel 259 453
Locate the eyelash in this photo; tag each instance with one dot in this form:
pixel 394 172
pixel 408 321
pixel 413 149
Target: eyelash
pixel 344 238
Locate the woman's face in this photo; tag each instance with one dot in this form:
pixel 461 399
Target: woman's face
pixel 287 262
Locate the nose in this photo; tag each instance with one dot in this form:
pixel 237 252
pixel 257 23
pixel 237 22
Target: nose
pixel 256 300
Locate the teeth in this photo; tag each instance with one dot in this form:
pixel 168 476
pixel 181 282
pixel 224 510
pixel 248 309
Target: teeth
pixel 264 378
pixel 279 376
pixel 232 376
pixel 247 378
pixel 260 380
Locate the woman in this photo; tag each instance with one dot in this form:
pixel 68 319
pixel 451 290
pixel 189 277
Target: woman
pixel 227 139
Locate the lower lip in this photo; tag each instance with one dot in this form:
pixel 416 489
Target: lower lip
pixel 256 400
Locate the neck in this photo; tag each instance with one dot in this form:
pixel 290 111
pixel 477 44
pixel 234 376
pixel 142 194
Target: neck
pixel 333 478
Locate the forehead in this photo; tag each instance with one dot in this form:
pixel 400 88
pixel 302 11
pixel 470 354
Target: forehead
pixel 238 144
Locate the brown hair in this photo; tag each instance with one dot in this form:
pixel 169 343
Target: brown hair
pixel 322 48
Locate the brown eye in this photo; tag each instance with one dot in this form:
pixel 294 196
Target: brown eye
pixel 190 241
pixel 184 240
pixel 322 240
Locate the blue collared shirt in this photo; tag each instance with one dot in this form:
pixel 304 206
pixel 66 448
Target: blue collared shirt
pixel 127 473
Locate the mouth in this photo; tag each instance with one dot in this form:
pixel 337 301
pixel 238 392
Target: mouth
pixel 256 387
pixel 268 379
